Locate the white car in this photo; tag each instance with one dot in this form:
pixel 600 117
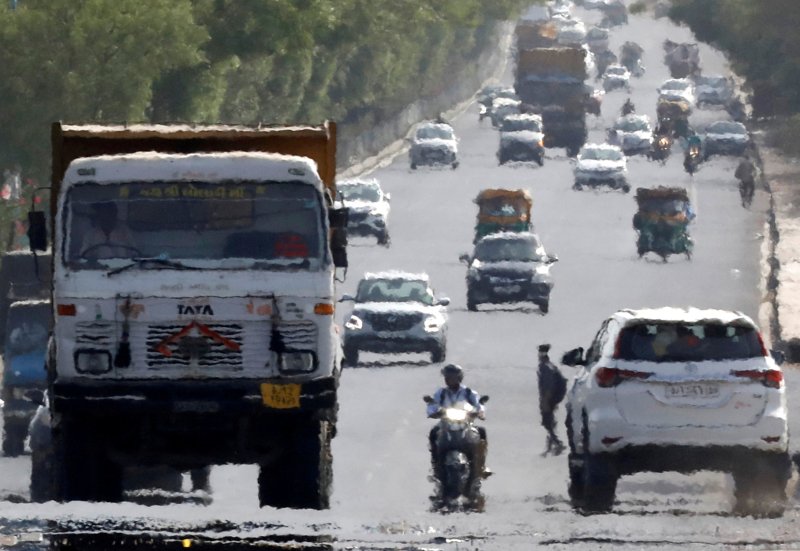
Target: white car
pixel 677 89
pixel 678 389
pixel 601 165
pixel 367 208
pixel 395 313
pixel 616 76
pixel 503 107
pixel 434 144
pixel 632 133
pixel 521 139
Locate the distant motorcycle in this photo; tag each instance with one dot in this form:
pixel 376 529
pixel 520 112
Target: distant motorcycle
pixel 661 148
pixel 458 486
pixel 692 159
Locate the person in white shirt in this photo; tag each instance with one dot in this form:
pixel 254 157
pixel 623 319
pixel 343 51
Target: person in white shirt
pixel 448 396
pixel 108 238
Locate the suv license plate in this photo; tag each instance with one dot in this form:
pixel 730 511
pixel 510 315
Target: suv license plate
pixel 692 390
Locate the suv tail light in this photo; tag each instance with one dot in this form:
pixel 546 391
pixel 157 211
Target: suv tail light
pixel 608 377
pixel 771 378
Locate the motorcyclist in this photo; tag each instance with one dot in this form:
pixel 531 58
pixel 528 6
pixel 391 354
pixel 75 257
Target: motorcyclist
pixel 746 173
pixel 692 156
pixel 628 107
pixel 448 396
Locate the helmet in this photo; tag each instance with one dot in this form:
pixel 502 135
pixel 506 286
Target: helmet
pixel 453 370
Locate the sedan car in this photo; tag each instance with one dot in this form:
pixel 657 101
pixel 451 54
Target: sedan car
pixel 521 139
pixel 678 389
pixel 713 89
pixel 616 76
pixel 725 138
pixel 677 89
pixel 503 107
pixel 396 312
pixel 632 133
pixel 367 208
pixel 434 144
pixel 509 267
pixel 601 165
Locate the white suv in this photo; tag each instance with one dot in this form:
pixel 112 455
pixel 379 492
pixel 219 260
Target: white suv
pixel 672 389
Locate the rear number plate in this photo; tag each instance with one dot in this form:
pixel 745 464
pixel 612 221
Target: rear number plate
pixel 692 390
pixel 281 396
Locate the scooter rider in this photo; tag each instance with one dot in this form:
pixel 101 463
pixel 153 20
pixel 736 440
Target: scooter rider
pixel 448 396
pixel 628 107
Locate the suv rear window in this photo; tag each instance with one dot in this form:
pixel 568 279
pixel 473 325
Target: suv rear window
pixel 677 342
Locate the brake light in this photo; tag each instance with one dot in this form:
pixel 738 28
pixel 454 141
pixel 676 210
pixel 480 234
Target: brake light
pixel 772 378
pixel 608 377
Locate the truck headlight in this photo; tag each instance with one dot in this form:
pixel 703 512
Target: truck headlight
pixel 297 362
pixel 93 362
pixel 354 323
pixel 432 324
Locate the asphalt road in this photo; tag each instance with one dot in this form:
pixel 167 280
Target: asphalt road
pixel 380 455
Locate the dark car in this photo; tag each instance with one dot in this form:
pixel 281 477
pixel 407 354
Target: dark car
pixel 509 267
pixel 725 138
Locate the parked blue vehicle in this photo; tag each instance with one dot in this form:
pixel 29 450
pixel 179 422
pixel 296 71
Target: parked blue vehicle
pixel 27 331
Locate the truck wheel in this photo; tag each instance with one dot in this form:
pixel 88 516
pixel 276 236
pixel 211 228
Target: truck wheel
pixel 13 438
pixel 42 484
pixel 302 475
pixel 87 473
pixel 351 356
pixel 760 488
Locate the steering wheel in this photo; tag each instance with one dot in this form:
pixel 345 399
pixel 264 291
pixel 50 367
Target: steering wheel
pixel 84 253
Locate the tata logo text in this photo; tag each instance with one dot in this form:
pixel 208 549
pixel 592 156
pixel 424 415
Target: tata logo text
pixel 195 310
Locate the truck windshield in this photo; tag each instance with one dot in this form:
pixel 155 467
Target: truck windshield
pixel 221 225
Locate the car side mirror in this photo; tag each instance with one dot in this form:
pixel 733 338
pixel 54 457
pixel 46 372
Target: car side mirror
pixel 573 357
pixel 37 230
pixel 464 258
pixel 36 396
pixel 427 399
pixel 444 301
pixel 483 399
pixel 346 298
pixel 552 258
pixel 388 197
pixel 778 356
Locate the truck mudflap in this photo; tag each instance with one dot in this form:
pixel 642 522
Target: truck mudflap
pixel 207 396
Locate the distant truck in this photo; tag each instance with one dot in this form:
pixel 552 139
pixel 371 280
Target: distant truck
pixel 531 34
pixel 550 81
pixel 193 293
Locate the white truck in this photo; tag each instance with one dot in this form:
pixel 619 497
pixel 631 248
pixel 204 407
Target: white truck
pixel 193 292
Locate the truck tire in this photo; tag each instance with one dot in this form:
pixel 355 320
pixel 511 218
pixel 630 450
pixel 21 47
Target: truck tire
pixel 13 438
pixel 42 485
pixel 87 474
pixel 301 476
pixel 760 486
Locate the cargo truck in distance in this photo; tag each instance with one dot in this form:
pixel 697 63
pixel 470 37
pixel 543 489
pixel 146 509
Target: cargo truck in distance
pixel 550 82
pixel 193 298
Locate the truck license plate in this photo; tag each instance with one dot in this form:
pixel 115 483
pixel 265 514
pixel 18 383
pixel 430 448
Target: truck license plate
pixel 286 396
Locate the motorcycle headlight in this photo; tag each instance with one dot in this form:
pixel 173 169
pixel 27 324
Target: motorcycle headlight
pixel 432 324
pixel 297 362
pixel 93 362
pixel 663 142
pixel 453 414
pixel 354 323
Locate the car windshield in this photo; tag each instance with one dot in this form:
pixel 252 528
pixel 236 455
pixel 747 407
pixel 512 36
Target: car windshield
pixel 28 329
pixel 605 154
pixel 727 127
pixel 517 125
pixel 617 71
pixel 497 250
pixel 714 82
pixel 435 132
pixel 633 125
pixel 678 342
pixel 222 225
pixel 394 290
pixel 676 85
pixel 360 193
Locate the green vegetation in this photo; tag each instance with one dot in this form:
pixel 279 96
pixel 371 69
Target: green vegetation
pixel 234 61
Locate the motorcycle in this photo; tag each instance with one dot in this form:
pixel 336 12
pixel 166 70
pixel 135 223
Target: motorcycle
pixel 458 486
pixel 692 159
pixel 628 107
pixel 661 148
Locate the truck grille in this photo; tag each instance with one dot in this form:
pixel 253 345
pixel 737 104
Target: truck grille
pixel 94 334
pixel 394 321
pixel 194 348
pixel 298 335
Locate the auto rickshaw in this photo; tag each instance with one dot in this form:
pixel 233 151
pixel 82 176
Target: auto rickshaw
pixel 503 210
pixel 662 221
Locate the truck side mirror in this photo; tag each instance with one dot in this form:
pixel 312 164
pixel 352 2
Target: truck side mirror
pixel 37 231
pixel 337 218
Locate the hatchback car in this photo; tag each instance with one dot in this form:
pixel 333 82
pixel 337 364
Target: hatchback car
pixel 615 77
pixel 521 139
pixel 395 312
pixel 677 89
pixel 725 138
pixel 632 133
pixel 434 144
pixel 367 208
pixel 509 267
pixel 601 165
pixel 674 389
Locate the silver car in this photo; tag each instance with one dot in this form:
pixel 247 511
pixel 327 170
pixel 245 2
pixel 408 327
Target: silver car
pixel 367 208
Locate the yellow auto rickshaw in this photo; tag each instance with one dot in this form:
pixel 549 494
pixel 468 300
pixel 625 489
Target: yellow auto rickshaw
pixel 503 210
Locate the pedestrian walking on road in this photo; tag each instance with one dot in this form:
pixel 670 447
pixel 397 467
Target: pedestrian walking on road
pixel 552 389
